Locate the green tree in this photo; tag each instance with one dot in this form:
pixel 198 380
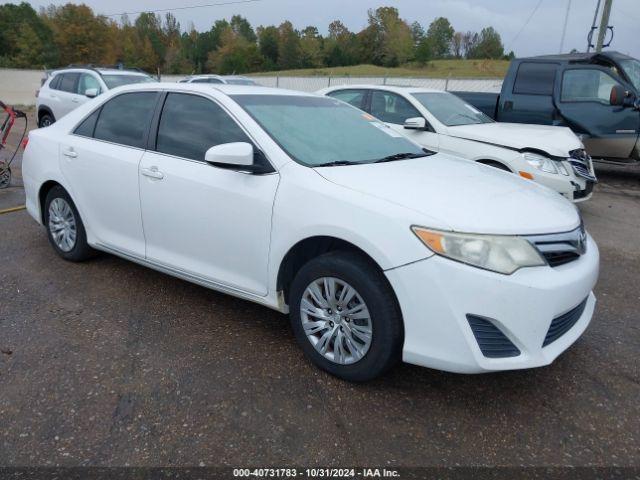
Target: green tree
pixel 268 40
pixel 235 54
pixel 26 40
pixel 341 46
pixel 149 27
pixel 289 51
pixel 388 40
pixel 311 48
pixel 439 35
pixel 79 35
pixel 242 27
pixel 489 45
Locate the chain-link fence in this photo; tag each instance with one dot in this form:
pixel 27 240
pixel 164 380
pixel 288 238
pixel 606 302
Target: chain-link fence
pixel 18 87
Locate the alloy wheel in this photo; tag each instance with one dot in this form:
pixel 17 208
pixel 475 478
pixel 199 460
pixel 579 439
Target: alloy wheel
pixel 62 224
pixel 336 320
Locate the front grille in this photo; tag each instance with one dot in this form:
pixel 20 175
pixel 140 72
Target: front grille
pixel 562 324
pixel 581 164
pixel 561 248
pixel 492 342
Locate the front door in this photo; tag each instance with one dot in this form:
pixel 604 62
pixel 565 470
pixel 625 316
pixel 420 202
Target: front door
pixel 208 222
pixel 394 110
pixel 609 131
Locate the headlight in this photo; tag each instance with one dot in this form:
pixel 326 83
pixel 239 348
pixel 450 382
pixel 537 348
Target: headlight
pixel 540 162
pixel 502 254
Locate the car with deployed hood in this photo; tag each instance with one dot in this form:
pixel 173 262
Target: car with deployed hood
pixel 379 250
pixel 442 122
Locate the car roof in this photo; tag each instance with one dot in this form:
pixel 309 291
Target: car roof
pixel 577 57
pixel 105 71
pixel 209 87
pixel 389 88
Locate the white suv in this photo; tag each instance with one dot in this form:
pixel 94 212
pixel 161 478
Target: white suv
pixel 66 89
pixel 379 250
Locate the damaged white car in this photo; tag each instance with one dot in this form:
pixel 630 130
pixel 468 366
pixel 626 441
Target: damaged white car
pixel 441 122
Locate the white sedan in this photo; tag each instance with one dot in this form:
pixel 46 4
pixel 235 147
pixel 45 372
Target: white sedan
pixel 378 250
pixel 552 156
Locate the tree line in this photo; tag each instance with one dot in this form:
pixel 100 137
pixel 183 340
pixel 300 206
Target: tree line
pixel 61 35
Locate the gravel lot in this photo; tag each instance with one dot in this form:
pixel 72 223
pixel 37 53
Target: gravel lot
pixel 109 363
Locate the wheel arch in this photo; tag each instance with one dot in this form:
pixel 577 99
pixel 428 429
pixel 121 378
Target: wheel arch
pixel 492 162
pixel 308 249
pixel 45 188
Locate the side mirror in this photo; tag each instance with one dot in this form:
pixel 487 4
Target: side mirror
pixel 91 92
pixel 239 154
pixel 417 123
pixel 620 97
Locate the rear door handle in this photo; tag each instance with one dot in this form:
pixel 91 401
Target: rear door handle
pixel 70 152
pixel 75 100
pixel 152 172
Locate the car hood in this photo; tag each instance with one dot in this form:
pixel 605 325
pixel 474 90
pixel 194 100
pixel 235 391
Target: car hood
pixel 555 141
pixel 463 195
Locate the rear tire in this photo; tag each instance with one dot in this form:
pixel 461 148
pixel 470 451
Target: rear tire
pixel 65 229
pixel 325 324
pixel 45 120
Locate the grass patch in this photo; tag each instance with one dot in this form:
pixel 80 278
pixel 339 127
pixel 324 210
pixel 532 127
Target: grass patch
pixel 434 69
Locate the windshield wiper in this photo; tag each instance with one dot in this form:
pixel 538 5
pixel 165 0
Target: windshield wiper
pixel 401 156
pixel 335 163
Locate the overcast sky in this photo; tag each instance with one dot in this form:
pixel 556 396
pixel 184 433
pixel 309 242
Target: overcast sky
pixel 540 36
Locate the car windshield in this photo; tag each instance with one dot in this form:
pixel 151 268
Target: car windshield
pixel 451 110
pixel 632 69
pixel 322 131
pixel 239 81
pixel 118 80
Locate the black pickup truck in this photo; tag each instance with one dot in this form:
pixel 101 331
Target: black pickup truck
pixel 597 95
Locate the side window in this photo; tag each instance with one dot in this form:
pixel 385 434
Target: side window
pixel 190 125
pixel 392 108
pixel 55 82
pixel 68 82
pixel 214 80
pixel 586 85
pixel 125 119
pixel 352 97
pixel 200 80
pixel 534 78
pixel 87 127
pixel 86 82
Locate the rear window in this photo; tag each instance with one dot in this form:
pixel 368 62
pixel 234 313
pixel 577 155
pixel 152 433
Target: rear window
pixel 535 78
pixel 125 119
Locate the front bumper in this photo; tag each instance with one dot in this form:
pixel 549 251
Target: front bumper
pixel 437 294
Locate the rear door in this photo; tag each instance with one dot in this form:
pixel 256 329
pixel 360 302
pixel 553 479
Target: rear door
pixel 531 97
pixel 609 131
pixel 207 222
pixel 100 162
pixel 394 110
pixel 68 94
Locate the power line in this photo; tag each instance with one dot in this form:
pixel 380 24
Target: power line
pixel 533 12
pixel 564 28
pixel 188 7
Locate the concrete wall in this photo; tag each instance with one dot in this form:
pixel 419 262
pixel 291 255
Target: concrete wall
pixel 18 87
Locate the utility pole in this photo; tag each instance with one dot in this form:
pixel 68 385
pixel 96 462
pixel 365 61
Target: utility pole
pixel 604 23
pixel 593 27
pixel 564 29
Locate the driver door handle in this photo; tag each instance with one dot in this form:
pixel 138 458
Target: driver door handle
pixel 70 152
pixel 152 172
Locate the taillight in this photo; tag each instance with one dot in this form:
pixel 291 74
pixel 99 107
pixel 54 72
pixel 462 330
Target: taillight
pixel 24 142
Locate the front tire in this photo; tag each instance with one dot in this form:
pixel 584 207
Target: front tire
pixel 345 316
pixel 65 229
